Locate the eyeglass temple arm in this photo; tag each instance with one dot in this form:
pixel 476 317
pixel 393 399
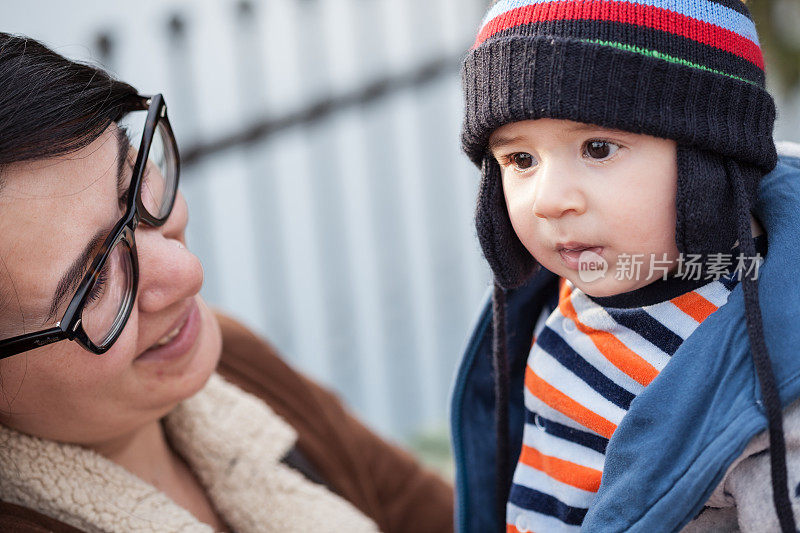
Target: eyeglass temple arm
pixel 29 341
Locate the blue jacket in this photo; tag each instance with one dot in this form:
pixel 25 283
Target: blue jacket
pixel 681 433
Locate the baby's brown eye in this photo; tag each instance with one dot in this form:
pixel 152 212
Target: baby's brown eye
pixel 522 161
pixel 599 149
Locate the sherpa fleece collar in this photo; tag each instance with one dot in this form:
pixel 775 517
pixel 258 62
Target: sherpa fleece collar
pixel 232 441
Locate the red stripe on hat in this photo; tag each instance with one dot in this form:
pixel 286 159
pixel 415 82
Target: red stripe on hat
pixel 625 12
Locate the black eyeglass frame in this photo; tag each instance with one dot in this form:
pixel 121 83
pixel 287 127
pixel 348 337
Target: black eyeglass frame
pixel 70 327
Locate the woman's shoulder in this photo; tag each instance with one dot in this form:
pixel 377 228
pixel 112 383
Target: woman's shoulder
pixel 371 473
pixel 254 365
pixel 24 520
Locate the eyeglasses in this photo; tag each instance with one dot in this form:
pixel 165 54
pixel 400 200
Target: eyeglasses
pixel 102 304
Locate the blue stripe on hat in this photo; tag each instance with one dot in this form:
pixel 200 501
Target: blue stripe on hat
pixel 704 10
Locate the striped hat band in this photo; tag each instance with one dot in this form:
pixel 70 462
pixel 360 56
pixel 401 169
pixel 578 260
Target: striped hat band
pixel 713 35
pixel 688 70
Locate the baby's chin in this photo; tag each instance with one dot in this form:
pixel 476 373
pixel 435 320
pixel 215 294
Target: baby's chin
pixel 608 286
pixel 600 278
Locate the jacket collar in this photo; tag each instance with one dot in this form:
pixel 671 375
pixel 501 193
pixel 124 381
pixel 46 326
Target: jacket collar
pixel 683 431
pixel 233 443
pixel 657 463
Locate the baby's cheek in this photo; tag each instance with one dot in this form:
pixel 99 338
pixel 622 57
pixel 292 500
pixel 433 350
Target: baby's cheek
pixel 640 231
pixel 541 253
pixel 522 224
pixel 633 223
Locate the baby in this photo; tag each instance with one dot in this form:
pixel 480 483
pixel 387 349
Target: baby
pixel 630 184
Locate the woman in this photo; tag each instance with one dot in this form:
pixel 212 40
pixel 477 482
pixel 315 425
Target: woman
pixel 112 417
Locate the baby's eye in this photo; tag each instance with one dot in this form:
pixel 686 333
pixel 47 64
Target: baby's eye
pixel 598 149
pixel 521 161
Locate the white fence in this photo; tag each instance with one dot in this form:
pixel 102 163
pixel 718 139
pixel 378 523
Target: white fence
pixel 329 200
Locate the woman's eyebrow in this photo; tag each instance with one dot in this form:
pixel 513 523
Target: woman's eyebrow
pixel 123 146
pixel 72 277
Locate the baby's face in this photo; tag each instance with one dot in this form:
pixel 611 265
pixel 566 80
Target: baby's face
pixel 577 193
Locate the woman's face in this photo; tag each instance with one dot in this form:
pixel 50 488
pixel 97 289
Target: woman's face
pixel 50 213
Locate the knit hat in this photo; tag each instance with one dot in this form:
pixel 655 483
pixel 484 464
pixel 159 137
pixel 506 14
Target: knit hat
pixel 687 70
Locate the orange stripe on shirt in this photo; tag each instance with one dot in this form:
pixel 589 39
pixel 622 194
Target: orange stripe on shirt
pixel 566 405
pixel 575 475
pixel 694 305
pixel 611 347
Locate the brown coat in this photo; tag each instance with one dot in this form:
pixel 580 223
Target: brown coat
pixel 381 480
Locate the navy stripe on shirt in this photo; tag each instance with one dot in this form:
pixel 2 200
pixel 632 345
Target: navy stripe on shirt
pixel 540 502
pixel 643 324
pixel 589 440
pixel 552 343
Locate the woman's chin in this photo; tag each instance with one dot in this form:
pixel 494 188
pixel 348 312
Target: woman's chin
pixel 209 350
pixel 172 381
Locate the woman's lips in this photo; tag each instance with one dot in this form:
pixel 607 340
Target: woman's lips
pixel 180 343
pixel 571 257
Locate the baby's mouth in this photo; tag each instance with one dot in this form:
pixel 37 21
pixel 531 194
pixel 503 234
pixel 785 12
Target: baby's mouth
pixel 579 256
pixel 577 247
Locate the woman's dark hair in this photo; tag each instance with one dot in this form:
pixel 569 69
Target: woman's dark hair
pixel 50 105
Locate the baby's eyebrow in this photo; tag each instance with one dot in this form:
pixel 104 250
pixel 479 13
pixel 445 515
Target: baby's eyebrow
pixel 594 127
pixel 500 142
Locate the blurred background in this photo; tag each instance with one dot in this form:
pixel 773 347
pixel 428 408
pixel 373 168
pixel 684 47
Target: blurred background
pixel 329 200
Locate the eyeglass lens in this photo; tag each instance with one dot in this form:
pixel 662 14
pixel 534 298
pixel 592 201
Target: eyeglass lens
pixel 105 309
pixel 111 295
pixel 160 173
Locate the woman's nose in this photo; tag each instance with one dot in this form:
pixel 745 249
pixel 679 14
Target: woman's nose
pixel 168 271
pixel 175 226
pixel 557 193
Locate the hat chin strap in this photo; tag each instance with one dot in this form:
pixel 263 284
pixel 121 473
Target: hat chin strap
pixel 510 261
pixel 758 348
pixel 501 383
pixel 495 233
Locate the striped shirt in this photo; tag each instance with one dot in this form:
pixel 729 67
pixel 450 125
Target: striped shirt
pixel 588 361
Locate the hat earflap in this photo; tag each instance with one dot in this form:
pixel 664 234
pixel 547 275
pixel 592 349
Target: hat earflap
pixel 741 178
pixel 510 261
pixel 705 205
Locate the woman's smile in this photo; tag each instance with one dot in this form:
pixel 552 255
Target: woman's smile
pixel 179 340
